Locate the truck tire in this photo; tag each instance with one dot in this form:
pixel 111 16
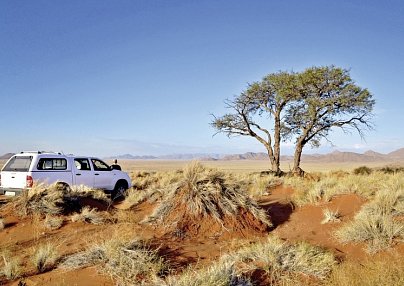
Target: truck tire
pixel 119 190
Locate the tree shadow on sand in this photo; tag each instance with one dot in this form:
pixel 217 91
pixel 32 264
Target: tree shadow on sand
pixel 278 211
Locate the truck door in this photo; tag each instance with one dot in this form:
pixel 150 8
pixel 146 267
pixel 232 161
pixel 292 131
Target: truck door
pixel 103 175
pixel 83 173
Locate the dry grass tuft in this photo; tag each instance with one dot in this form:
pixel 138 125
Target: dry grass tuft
pixel 260 185
pixel 309 192
pixel 376 223
pixel 369 273
pixel 44 257
pixel 378 230
pixel 53 222
pixel 128 262
pixel 276 257
pixel 279 260
pixel 331 216
pixel 88 215
pixel 222 273
pixel 11 268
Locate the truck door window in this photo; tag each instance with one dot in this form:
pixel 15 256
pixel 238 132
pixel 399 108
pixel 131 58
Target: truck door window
pixel 82 164
pixel 100 165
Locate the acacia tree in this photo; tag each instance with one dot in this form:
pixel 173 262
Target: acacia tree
pixel 328 98
pixel 262 100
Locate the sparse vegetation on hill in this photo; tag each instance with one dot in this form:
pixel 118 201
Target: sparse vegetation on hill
pixel 206 194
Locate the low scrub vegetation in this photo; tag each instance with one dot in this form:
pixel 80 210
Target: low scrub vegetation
pixel 369 273
pixel 55 199
pixel 363 170
pixel 312 192
pixel 277 259
pixel 376 223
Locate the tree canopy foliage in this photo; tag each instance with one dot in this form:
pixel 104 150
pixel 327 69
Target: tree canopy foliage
pixel 296 106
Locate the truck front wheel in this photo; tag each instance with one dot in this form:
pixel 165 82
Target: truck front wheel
pixel 120 189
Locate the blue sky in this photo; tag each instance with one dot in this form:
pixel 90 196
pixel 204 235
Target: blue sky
pixel 142 77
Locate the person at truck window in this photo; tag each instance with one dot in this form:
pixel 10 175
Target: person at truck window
pixel 115 165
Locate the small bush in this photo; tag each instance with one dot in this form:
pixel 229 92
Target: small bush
pixel 391 170
pixel 44 257
pixel 2 224
pixel 363 170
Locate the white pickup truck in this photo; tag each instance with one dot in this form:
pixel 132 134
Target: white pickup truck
pixel 23 169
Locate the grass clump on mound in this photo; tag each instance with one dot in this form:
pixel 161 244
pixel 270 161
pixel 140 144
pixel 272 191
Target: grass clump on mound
pixel 55 199
pixel 206 194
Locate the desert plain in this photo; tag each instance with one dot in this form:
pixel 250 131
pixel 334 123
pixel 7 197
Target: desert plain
pixel 212 223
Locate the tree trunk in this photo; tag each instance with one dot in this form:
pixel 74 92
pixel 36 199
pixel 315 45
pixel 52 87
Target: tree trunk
pixel 277 144
pixel 297 157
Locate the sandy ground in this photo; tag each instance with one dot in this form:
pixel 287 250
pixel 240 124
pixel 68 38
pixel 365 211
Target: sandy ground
pixel 22 235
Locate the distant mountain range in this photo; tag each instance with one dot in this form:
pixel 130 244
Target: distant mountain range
pixel 336 156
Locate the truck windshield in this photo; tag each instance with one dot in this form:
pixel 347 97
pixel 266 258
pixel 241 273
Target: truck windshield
pixel 18 164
